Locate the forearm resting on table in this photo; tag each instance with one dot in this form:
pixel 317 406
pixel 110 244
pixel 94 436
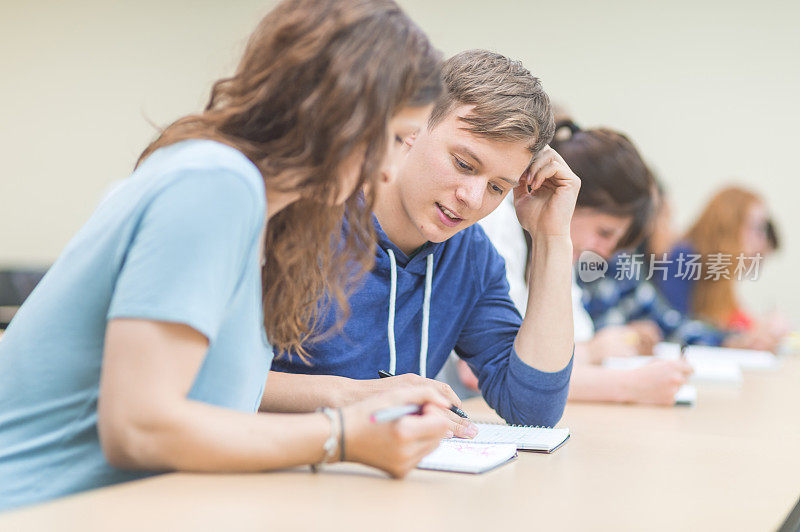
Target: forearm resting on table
pixel 598 384
pixel 292 392
pixel 545 338
pixel 193 436
pixel 146 421
pixel 583 353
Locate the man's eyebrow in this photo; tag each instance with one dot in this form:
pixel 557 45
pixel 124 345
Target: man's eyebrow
pixel 469 152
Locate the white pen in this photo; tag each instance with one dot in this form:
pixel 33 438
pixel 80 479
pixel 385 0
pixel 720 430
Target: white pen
pixel 391 413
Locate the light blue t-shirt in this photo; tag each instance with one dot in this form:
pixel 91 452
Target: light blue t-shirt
pixel 179 242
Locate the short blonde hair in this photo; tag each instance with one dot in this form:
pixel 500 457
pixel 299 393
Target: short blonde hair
pixel 509 102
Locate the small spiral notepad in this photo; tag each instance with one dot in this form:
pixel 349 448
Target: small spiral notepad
pixel 464 456
pixel 493 446
pixel 540 439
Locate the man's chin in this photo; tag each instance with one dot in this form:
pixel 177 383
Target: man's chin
pixel 439 234
pixel 430 232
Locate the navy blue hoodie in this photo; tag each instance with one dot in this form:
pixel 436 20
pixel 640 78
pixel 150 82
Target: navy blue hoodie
pixel 469 311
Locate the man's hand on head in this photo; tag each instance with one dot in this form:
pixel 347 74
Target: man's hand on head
pixel 545 198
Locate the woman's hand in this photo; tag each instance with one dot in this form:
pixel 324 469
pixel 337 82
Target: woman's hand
pixel 657 382
pixel 545 198
pixel 613 341
pixel 767 334
pixel 397 446
pixel 647 334
pixel 760 339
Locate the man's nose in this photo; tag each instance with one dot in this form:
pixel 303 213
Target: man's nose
pixel 470 193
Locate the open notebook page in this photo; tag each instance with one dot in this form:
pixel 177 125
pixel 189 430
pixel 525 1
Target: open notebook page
pixel 464 456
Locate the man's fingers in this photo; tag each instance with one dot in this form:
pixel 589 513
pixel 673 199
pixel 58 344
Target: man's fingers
pixel 412 379
pixel 542 159
pixel 448 392
pixel 466 429
pixel 544 173
pixel 456 428
pixel 460 427
pixel 552 176
pixel 418 394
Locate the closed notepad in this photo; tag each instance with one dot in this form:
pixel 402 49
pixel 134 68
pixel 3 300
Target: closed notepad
pixel 465 456
pixel 538 439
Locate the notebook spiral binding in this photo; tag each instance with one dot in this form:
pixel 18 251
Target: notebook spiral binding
pixel 515 426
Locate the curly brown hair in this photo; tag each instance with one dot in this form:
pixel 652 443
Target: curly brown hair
pixel 319 80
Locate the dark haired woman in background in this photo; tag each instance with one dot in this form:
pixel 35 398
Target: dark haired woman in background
pixel 613 212
pixel 145 346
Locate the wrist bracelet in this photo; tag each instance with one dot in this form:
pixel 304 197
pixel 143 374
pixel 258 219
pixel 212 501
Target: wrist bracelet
pixel 331 444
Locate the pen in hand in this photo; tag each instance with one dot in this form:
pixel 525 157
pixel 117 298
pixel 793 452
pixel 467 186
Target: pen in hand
pixel 395 412
pixel 453 408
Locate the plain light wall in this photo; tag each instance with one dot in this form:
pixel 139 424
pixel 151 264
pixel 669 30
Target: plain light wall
pixel 707 90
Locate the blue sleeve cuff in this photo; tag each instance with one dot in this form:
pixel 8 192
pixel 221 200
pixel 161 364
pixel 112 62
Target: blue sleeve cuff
pixel 535 397
pixel 530 378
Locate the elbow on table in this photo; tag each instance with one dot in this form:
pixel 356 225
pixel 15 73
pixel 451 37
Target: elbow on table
pixel 542 415
pixel 551 419
pixel 548 419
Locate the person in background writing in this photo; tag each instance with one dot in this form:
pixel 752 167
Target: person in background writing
pixel 724 246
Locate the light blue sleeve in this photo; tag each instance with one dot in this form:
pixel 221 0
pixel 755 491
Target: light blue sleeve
pixel 189 250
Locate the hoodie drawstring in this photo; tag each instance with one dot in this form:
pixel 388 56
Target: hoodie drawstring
pixel 392 301
pixel 426 313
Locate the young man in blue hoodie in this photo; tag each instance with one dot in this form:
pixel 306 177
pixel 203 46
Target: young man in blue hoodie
pixel 438 284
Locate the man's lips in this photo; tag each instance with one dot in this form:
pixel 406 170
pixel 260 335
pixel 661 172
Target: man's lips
pixel 447 217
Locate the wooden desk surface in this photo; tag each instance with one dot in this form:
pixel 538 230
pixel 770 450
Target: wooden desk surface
pixel 730 463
